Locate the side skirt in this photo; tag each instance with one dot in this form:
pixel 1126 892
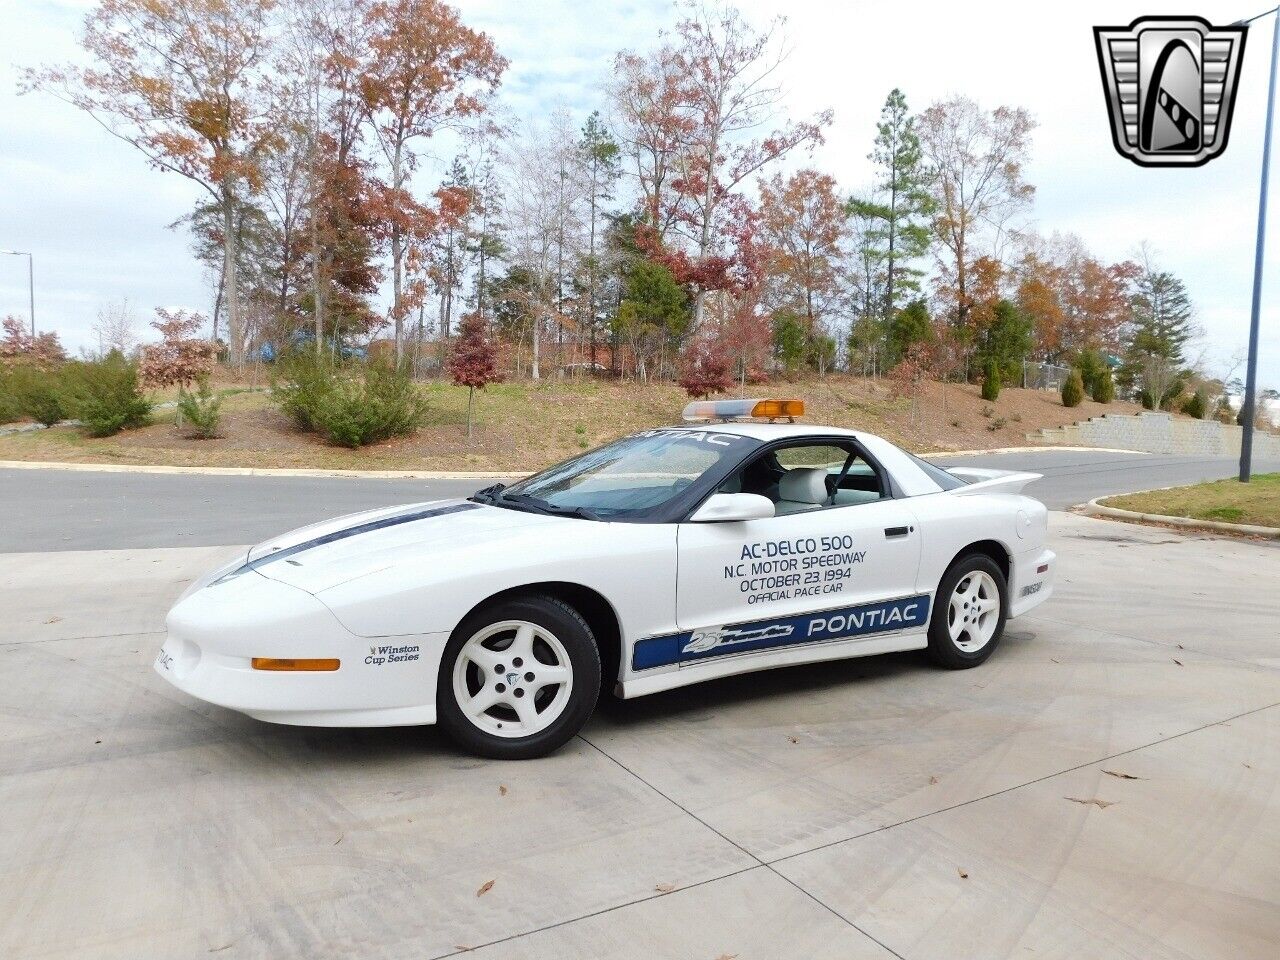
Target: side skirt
pixel 711 669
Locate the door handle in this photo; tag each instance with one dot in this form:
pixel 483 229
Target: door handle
pixel 892 533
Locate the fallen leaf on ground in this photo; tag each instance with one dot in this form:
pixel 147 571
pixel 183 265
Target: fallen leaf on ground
pixel 1122 776
pixel 964 874
pixel 664 887
pixel 1100 804
pixel 463 947
pixel 933 780
pixel 339 840
pixel 502 789
pixel 1055 661
pixel 1177 661
pixel 53 620
pixel 485 888
pixel 794 739
pixel 727 956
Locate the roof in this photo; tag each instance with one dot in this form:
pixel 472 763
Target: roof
pixel 765 431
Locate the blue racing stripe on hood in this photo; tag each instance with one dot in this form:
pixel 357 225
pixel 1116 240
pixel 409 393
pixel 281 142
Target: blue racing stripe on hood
pixel 346 532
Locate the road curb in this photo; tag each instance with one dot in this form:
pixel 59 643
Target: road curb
pixel 1096 509
pixel 980 453
pixel 413 474
pixel 260 471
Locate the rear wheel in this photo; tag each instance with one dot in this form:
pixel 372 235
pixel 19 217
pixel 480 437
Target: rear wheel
pixel 968 613
pixel 518 678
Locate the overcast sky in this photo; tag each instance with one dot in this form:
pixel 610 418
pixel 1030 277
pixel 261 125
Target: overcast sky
pixel 97 217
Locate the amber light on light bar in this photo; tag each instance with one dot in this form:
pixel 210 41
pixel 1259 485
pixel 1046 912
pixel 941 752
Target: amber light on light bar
pixel 778 408
pixel 291 663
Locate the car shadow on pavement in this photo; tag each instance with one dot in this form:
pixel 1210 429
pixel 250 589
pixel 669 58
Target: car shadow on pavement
pixel 358 747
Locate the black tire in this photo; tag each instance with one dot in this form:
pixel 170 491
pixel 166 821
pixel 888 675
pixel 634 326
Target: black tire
pixel 568 626
pixel 943 650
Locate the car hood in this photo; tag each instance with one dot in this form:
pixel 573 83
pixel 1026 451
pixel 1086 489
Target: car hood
pixel 325 555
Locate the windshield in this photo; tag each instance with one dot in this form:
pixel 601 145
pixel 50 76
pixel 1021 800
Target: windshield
pixel 630 478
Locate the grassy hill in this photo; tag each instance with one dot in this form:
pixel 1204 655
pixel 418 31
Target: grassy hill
pixel 525 425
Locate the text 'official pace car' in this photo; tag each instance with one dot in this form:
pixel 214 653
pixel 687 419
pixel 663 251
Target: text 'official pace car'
pixel 666 558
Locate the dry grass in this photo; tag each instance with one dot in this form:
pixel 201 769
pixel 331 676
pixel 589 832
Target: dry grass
pixel 525 425
pixel 1256 502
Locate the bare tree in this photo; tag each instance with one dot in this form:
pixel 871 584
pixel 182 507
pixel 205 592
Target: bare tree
pixel 115 328
pixel 977 158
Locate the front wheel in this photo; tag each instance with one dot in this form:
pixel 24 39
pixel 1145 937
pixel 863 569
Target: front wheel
pixel 518 678
pixel 968 613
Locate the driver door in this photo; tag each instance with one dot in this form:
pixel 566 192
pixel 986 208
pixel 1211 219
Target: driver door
pixel 816 571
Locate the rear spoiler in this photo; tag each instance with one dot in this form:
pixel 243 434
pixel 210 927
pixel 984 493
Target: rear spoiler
pixel 977 480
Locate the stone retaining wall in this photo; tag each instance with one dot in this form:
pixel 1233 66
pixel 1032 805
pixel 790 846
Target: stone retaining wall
pixel 1153 432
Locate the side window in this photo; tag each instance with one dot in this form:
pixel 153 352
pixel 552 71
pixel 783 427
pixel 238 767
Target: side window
pixel 808 476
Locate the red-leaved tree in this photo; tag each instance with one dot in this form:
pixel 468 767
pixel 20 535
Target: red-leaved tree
pixel 473 363
pixel 704 367
pixel 44 350
pixel 181 357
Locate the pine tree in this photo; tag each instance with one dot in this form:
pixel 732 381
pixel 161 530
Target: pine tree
pixel 901 204
pixel 598 157
pixel 1162 325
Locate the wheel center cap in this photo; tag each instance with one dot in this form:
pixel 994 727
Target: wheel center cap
pixel 512 678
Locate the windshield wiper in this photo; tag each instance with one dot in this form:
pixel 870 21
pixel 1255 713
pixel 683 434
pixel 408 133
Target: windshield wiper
pixel 488 494
pixel 538 505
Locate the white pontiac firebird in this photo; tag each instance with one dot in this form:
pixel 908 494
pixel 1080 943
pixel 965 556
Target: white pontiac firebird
pixel 666 558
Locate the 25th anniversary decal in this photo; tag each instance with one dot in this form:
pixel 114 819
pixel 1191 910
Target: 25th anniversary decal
pixel 818 627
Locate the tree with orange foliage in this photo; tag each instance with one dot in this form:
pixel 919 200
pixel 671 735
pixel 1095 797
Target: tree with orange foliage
pixel 691 112
pixel 426 71
pixel 977 158
pixel 186 82
pixel 803 226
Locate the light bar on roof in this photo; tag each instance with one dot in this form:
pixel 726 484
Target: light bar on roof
pixel 743 409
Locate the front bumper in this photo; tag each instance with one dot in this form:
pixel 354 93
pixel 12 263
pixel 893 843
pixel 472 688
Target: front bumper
pixel 1031 581
pixel 215 632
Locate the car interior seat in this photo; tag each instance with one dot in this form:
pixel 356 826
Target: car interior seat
pixel 804 488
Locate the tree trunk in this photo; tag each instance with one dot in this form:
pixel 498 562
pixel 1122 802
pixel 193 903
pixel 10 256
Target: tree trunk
pixel 535 372
pixel 235 333
pixel 396 284
pixel 471 395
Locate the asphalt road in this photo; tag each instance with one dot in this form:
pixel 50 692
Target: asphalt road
pixel 88 510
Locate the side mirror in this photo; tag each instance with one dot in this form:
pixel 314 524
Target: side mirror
pixel 726 507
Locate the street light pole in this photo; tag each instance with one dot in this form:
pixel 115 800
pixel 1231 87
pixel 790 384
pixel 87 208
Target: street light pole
pixel 1251 374
pixel 31 283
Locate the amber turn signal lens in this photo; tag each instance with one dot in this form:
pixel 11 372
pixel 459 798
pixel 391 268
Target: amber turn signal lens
pixel 279 663
pixel 778 408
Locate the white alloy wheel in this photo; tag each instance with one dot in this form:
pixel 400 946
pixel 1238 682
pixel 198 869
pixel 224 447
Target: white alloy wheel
pixel 512 679
pixel 974 613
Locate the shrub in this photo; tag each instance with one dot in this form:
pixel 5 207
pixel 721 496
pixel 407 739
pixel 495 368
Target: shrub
pixel 34 392
pixel 363 405
pixel 1073 390
pixel 987 411
pixel 303 381
pixel 1196 405
pixel 1103 389
pixel 1092 367
pixel 999 423
pixel 991 382
pixel 1147 399
pixel 9 409
pixel 200 410
pixel 104 394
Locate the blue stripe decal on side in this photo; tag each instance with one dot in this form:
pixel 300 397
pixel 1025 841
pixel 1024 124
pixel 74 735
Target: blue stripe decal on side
pixel 821 626
pixel 350 532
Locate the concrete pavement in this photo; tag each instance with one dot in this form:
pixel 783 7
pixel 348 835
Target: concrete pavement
pixel 76 510
pixel 1107 785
